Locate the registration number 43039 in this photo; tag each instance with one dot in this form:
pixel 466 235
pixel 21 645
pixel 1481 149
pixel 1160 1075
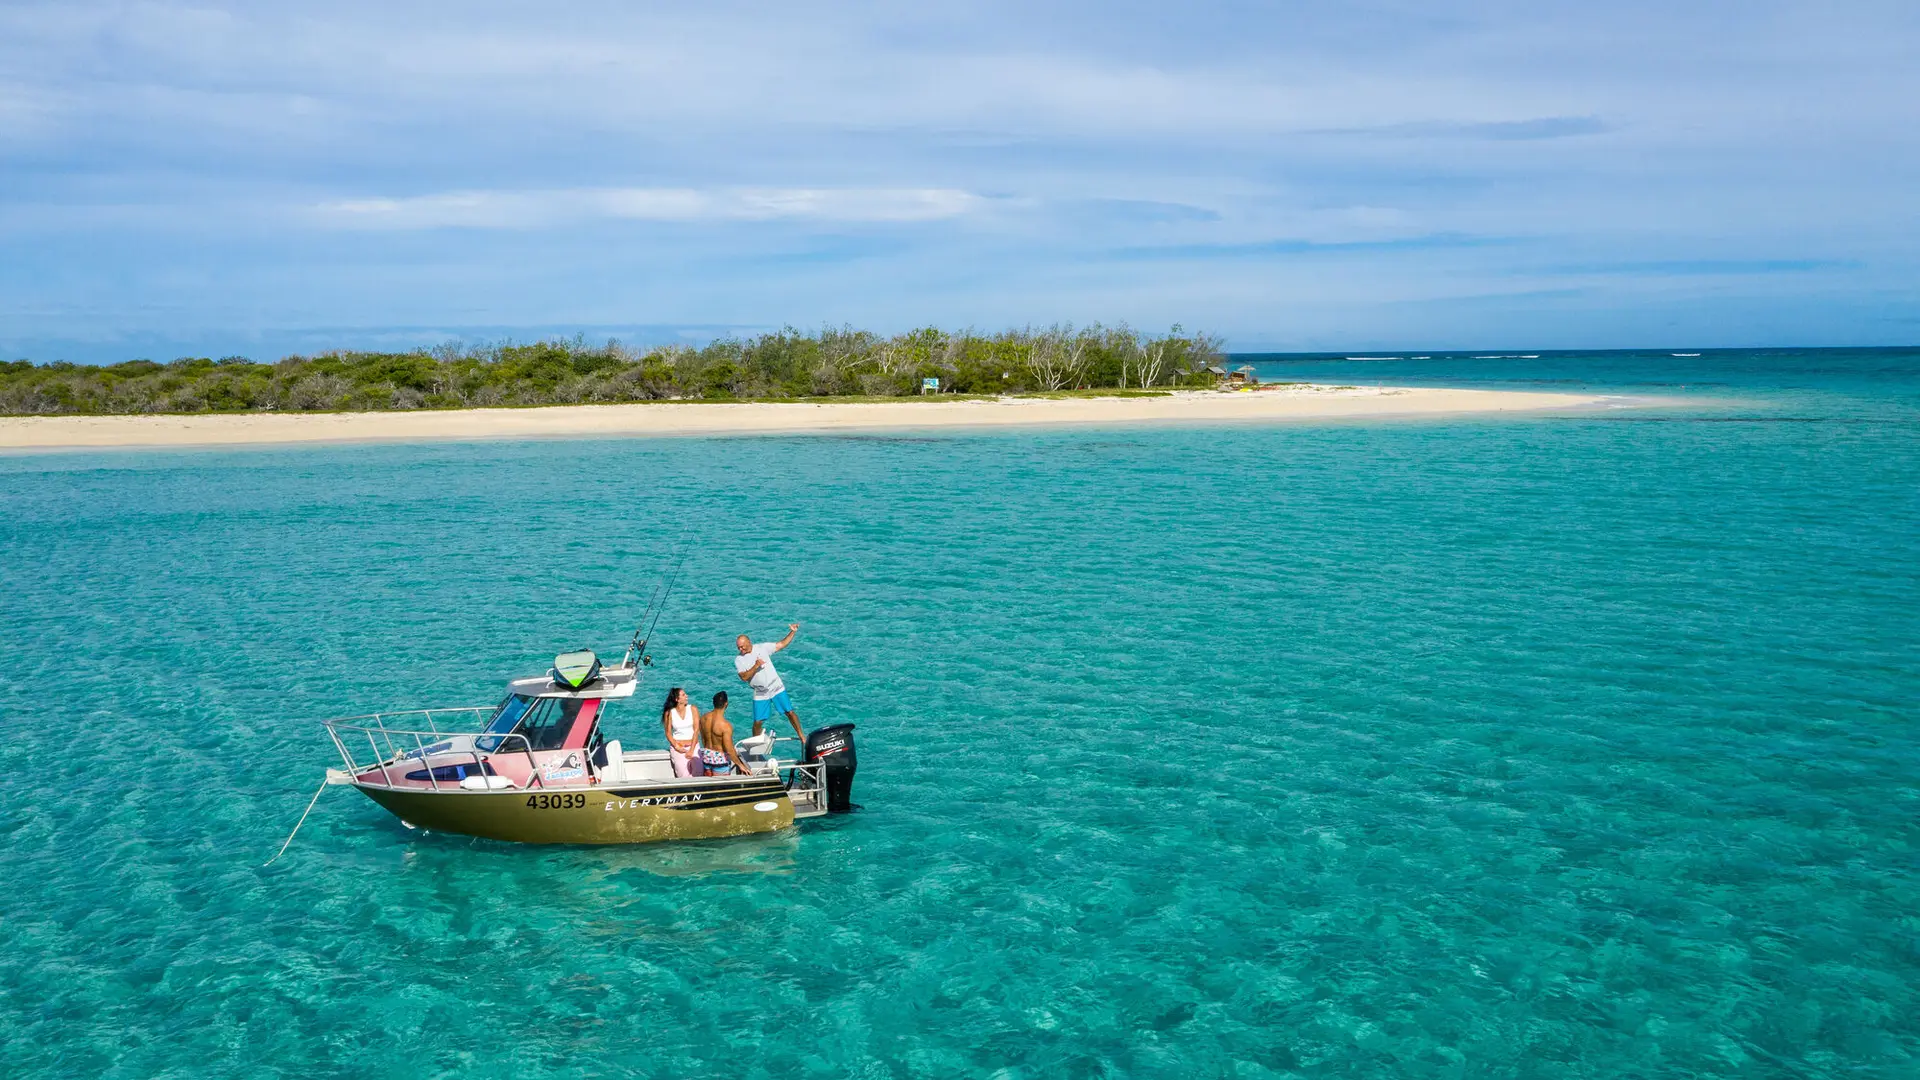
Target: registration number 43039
pixel 556 802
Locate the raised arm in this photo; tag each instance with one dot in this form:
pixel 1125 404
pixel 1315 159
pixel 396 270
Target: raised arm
pixel 792 629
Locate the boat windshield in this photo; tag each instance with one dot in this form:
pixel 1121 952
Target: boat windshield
pixel 545 722
pixel 509 712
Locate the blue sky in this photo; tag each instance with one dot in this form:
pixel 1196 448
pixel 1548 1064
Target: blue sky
pixel 182 179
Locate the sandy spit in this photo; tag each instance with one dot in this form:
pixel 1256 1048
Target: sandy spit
pixel 760 418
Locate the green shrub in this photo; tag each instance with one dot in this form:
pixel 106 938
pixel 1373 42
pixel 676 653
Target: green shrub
pixel 834 362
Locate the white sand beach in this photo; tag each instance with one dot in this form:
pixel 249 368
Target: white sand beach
pixel 1267 404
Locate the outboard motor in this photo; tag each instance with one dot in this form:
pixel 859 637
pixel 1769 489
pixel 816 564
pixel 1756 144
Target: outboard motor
pixel 834 746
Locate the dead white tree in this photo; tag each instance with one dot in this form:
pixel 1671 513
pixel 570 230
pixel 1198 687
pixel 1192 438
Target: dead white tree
pixel 1047 362
pixel 842 352
pixel 895 358
pixel 1153 363
pixel 1058 358
pixel 1123 342
pixel 955 350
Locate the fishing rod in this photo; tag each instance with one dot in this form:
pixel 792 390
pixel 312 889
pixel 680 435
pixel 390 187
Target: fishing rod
pixel 656 606
pixel 645 613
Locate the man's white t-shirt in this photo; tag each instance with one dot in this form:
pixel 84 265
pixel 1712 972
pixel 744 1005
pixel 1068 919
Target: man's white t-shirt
pixel 765 682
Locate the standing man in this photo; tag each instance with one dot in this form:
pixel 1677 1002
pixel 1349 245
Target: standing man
pixel 755 665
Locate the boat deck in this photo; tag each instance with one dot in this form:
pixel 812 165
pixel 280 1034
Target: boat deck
pixel 808 802
pixel 418 751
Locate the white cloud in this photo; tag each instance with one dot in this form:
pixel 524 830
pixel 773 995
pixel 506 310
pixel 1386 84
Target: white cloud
pixel 1633 131
pixel 532 209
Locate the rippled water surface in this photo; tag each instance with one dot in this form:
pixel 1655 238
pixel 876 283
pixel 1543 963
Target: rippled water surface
pixel 1574 745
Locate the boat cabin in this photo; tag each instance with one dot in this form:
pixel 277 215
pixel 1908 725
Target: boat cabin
pixel 546 732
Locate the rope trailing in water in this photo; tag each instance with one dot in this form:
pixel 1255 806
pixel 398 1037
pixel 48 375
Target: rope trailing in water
pixel 296 826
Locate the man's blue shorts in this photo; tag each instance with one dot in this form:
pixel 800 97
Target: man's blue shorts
pixel 762 710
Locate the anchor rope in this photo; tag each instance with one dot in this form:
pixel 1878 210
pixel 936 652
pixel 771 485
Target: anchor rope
pixel 296 826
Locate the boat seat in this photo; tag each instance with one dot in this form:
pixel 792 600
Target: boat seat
pixel 609 764
pixel 642 765
pixel 756 750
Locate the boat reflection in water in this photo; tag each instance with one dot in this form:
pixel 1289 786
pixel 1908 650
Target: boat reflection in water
pixel 537 768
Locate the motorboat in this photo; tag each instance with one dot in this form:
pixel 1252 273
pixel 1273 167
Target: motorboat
pixel 539 767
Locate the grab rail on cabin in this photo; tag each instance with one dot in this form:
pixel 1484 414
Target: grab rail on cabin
pixel 423 741
pixel 383 720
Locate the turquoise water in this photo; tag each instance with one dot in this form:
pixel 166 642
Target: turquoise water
pixel 1527 746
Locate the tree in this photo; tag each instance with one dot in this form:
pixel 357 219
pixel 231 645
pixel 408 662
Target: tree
pixel 1057 358
pixel 454 375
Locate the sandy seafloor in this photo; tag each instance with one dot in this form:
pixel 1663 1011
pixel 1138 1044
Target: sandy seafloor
pixel 701 418
pixel 1550 743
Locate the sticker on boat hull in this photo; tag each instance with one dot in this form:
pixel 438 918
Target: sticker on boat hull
pixel 765 807
pixel 655 800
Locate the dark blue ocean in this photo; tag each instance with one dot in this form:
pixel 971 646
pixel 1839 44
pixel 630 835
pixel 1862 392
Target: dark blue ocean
pixel 1575 744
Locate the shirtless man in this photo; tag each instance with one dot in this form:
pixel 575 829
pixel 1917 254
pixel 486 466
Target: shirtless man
pixel 716 741
pixel 755 668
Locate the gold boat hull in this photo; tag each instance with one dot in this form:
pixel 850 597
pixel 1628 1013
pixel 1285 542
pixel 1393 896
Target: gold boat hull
pixel 616 814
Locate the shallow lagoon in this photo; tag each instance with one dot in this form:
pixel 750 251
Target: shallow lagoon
pixel 1522 746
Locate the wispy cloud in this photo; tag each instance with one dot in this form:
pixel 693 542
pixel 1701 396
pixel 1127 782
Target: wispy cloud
pixel 1146 211
pixel 1303 169
pixel 538 208
pixel 1528 130
pixel 1707 267
pixel 1269 248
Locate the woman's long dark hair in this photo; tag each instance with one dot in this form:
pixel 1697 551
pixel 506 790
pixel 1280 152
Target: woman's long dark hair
pixel 668 707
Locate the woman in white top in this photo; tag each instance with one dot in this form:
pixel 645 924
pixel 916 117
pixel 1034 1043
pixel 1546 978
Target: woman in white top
pixel 681 721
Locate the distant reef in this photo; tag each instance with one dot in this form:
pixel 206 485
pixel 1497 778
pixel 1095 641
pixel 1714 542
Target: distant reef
pixel 838 363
